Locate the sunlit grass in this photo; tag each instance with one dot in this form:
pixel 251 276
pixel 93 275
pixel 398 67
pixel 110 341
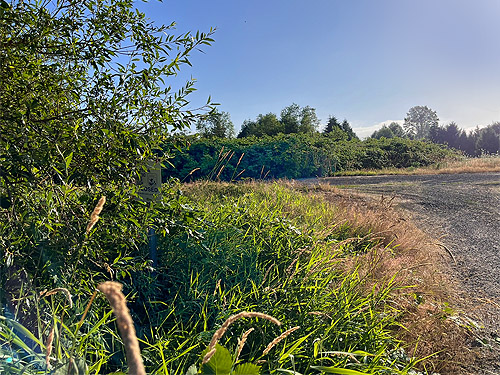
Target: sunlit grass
pixel 489 163
pixel 344 277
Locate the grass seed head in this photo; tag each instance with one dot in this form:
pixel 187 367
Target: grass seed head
pixel 94 217
pixel 62 290
pixel 113 292
pixel 220 332
pixel 278 339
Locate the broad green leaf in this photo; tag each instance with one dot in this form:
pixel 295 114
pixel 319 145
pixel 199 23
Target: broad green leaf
pixel 247 369
pixel 220 363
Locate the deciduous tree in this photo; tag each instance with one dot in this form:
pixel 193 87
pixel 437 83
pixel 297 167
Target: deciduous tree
pixel 299 120
pixel 418 122
pixel 84 95
pixel 216 124
pixel 264 125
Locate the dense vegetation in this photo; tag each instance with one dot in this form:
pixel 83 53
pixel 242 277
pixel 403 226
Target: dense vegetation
pixel 422 123
pixel 83 110
pixel 262 248
pixel 297 156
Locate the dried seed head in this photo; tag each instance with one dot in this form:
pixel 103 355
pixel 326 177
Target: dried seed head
pixel 57 290
pixel 94 217
pixel 48 346
pixel 209 355
pixel 241 343
pixel 113 292
pixel 220 332
pixel 278 339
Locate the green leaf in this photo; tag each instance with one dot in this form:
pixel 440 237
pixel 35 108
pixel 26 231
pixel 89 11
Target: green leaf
pixel 286 371
pixel 67 160
pixel 22 330
pixel 220 363
pixel 73 367
pixel 337 370
pixel 247 369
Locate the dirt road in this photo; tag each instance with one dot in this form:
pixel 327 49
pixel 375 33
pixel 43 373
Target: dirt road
pixel 464 210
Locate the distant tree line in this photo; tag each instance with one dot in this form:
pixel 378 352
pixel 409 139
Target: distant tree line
pixel 422 123
pixel 293 119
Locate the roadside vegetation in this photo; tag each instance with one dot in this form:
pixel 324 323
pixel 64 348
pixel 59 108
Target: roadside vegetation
pixel 484 164
pixel 297 156
pixel 84 111
pixel 351 286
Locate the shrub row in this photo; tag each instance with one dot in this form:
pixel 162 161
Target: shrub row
pixel 296 156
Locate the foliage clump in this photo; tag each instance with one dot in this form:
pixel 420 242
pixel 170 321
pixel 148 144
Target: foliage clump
pixel 298 156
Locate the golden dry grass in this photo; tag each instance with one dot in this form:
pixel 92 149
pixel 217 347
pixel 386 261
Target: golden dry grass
pixel 113 292
pixel 418 261
pixel 466 165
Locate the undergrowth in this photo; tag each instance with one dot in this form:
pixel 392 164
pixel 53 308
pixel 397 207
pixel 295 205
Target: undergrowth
pixel 267 248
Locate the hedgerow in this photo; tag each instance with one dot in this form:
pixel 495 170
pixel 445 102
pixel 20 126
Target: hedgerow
pixel 296 156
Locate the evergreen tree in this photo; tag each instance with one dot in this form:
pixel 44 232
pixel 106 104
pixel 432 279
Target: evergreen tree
pixel 346 127
pixel 332 124
pixel 488 141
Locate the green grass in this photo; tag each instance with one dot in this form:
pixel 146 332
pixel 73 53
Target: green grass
pixel 248 247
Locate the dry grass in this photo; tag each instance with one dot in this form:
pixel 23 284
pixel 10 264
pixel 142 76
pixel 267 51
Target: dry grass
pixel 417 260
pixel 483 164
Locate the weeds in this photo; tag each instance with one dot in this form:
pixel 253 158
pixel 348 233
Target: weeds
pixel 340 280
pixel 483 164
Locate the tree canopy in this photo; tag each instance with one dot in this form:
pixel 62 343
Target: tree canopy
pixel 299 120
pixel 473 143
pixel 391 131
pixel 85 107
pixel 216 124
pixel 293 119
pixel 264 125
pixel 346 128
pixel 419 120
pixel 83 95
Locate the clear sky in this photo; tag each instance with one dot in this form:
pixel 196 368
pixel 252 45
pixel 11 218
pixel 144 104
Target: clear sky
pixel 368 61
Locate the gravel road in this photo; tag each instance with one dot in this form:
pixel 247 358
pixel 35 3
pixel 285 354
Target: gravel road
pixel 465 210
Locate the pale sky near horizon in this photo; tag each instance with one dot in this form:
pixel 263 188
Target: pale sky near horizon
pixel 368 61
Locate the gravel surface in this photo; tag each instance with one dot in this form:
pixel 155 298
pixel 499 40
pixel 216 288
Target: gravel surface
pixel 464 211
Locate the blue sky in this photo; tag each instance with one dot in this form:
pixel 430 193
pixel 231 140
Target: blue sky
pixel 368 61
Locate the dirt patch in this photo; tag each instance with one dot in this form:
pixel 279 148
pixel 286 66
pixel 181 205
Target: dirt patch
pixel 462 211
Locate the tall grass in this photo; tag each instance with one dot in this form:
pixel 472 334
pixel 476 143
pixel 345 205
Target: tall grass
pixel 483 164
pixel 333 279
